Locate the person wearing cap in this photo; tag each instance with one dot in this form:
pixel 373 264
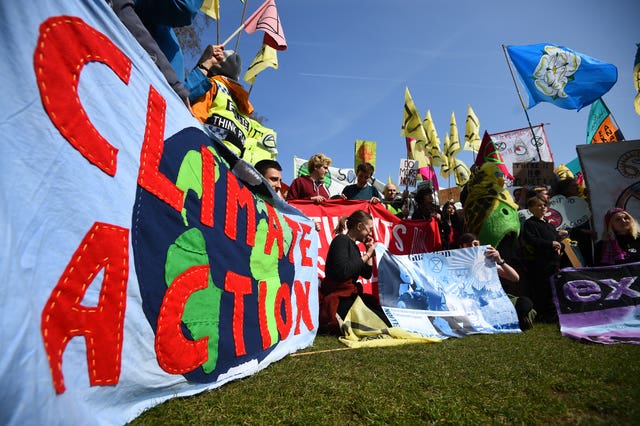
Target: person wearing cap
pixel 620 241
pixel 225 109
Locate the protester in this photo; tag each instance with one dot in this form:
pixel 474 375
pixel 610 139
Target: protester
pixel 425 208
pixel 151 22
pixel 362 190
pixel 343 266
pixel 522 304
pixel 272 172
pixel 391 201
pixel 620 241
pixel 225 111
pixel 312 187
pixel 541 189
pixel 582 234
pixel 542 254
pixel 451 226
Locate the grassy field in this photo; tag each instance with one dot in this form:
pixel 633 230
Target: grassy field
pixel 538 377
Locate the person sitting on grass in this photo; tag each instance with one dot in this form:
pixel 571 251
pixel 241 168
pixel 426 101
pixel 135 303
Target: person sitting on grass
pixel 343 266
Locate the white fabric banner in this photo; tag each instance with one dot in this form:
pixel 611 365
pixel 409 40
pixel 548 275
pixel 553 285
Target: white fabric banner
pixel 137 265
pixel 519 146
pixel 612 176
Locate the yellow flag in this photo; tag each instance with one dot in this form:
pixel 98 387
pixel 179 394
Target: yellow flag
pixel 413 130
pixel 461 172
pixel 267 57
pixel 433 142
pixel 472 138
pixel 447 164
pixel 454 140
pixel 211 8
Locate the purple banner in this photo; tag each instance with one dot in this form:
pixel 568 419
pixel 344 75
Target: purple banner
pixel 599 304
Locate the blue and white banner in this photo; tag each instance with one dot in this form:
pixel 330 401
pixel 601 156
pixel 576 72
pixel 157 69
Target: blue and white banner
pixel 444 294
pixel 141 261
pixel 600 305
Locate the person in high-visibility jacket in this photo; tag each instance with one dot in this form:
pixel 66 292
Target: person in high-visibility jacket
pixel 225 111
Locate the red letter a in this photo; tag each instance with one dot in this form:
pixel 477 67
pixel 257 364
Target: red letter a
pixel 63 317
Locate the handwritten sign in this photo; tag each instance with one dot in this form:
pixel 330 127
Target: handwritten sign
pixel 408 172
pixel 533 173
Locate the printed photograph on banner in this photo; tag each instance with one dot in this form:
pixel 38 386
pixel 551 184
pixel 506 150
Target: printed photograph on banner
pixel 457 291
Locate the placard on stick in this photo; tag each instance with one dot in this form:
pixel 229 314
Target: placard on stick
pixel 408 172
pixel 533 173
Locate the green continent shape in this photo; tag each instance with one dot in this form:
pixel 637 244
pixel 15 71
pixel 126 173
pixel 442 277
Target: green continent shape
pixel 190 176
pixel 264 267
pixel 502 220
pixel 202 310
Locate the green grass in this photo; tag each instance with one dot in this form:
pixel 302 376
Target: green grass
pixel 538 377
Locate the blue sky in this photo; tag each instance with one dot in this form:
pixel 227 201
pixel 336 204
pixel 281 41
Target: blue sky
pixel 344 74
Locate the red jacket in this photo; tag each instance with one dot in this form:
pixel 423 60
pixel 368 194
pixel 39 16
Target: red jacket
pixel 303 188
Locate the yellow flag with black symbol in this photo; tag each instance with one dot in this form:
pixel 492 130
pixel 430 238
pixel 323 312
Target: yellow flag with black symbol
pixel 267 57
pixel 446 168
pixel 472 138
pixel 414 133
pixel 433 141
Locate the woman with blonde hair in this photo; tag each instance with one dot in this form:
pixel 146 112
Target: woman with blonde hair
pixel 620 241
pixel 343 266
pixel 312 187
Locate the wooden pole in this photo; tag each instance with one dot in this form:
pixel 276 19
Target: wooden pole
pixel 524 108
pixel 244 11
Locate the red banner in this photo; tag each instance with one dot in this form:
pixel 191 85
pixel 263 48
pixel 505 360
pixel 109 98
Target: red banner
pixel 399 236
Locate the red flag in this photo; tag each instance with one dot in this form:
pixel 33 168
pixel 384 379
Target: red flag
pixel 487 153
pixel 266 19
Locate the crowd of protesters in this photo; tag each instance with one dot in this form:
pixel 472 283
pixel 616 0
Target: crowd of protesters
pixel 534 257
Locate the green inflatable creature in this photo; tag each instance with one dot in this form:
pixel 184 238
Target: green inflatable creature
pixel 489 210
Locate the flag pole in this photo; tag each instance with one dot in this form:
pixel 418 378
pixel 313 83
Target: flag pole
pixel 240 28
pixel 244 11
pixel 524 108
pixel 614 120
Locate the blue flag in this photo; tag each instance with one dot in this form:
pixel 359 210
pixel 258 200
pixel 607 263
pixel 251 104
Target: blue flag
pixel 564 77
